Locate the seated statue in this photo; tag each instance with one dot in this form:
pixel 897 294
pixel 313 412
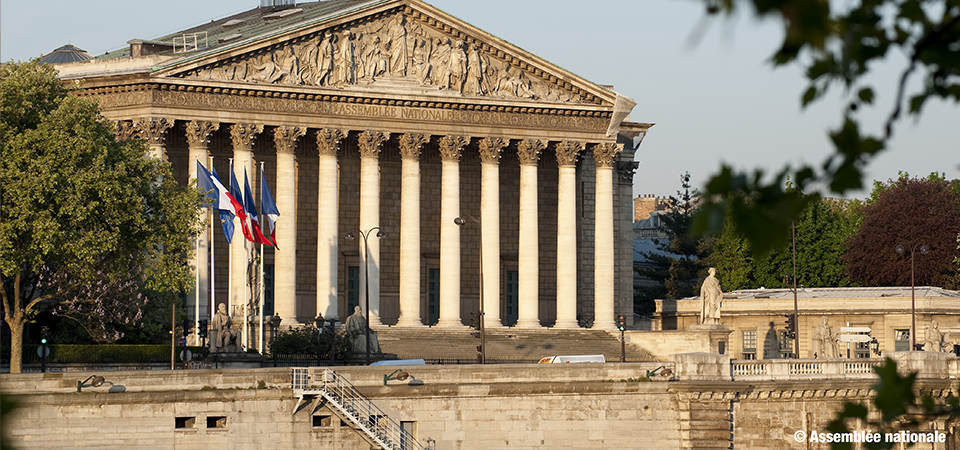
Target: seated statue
pixel 223 338
pixel 356 325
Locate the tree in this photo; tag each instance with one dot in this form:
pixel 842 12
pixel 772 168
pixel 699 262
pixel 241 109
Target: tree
pixel 90 226
pixel 822 231
pixel 911 212
pixel 680 262
pixel 836 43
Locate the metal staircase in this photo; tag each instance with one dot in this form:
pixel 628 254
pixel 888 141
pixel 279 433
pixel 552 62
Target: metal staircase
pixel 354 408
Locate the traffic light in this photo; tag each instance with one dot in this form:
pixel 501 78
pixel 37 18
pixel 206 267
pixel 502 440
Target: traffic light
pixel 202 331
pixel 187 327
pixel 791 325
pixel 475 320
pixel 44 333
pixel 621 323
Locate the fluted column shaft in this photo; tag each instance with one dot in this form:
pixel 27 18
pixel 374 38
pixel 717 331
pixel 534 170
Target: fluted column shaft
pixel 450 151
pixel 604 155
pixel 528 305
pixel 242 136
pixel 410 145
pixel 370 143
pixel 490 150
pixel 285 256
pixel 567 234
pixel 328 249
pixel 198 138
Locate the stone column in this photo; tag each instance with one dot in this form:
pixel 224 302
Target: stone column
pixel 198 139
pixel 528 306
pixel 370 143
pixel 154 131
pixel 410 145
pixel 328 248
pixel 451 148
pixel 490 151
pixel 285 255
pixel 242 135
pixel 567 153
pixel 604 155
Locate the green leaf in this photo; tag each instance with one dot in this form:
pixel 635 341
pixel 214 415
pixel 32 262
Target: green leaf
pixel 866 95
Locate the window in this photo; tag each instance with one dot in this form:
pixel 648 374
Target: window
pixel 511 285
pixel 433 296
pixel 749 344
pixel 786 344
pixel 322 421
pixel 185 422
pixel 216 422
pixel 410 432
pixel 901 340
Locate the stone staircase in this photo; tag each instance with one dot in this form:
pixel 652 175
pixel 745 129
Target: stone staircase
pixel 504 345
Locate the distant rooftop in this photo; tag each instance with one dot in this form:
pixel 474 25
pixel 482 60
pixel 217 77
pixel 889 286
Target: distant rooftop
pixel 65 54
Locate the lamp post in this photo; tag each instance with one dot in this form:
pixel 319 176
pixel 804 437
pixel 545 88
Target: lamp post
pixel 318 322
pixel 366 276
pixel 333 339
pixel 274 325
pixel 913 301
pixel 480 319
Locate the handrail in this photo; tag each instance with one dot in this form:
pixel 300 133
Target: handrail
pixel 356 408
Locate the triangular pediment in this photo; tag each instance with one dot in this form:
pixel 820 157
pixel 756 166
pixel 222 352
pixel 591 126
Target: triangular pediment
pixel 402 46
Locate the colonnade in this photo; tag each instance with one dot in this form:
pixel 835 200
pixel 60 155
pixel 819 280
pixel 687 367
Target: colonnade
pixel 451 147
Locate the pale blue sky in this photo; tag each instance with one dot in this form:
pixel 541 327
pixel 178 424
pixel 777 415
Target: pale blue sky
pixel 715 100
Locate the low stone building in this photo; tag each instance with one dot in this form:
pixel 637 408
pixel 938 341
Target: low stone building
pixel 757 319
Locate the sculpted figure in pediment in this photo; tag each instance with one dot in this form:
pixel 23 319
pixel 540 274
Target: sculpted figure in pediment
pixel 394 46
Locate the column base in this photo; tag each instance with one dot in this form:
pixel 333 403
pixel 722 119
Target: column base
pixel 528 324
pixel 409 324
pixel 488 324
pixel 566 325
pixel 606 325
pixel 450 323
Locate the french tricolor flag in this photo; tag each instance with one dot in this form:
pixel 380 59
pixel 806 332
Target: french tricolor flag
pixel 269 208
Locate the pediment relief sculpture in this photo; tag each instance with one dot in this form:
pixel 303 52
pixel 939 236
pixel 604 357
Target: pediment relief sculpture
pixel 393 49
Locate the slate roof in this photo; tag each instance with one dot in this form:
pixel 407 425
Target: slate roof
pixel 65 54
pixel 257 22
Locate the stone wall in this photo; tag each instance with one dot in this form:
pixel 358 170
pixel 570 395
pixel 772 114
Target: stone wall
pixel 587 406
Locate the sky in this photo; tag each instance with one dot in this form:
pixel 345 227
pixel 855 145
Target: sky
pixel 707 84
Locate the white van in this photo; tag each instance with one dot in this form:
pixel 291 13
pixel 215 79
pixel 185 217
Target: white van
pixel 573 359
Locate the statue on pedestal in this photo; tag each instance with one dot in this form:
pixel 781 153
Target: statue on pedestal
pixel 711 297
pixel 356 326
pixel 933 338
pixel 824 343
pixel 223 338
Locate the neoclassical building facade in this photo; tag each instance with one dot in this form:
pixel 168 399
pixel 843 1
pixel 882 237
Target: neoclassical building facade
pixel 391 116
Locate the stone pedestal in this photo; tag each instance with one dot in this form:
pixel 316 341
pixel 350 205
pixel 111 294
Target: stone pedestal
pixel 716 338
pixel 932 365
pixel 702 366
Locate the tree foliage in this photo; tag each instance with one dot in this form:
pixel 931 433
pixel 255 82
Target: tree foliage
pixel 911 212
pixel 836 44
pixel 821 234
pixel 306 340
pixel 680 263
pixel 89 225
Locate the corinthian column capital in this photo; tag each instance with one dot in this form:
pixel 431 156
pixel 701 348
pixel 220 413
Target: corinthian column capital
pixel 152 129
pixel 451 147
pixel 199 131
pixel 411 143
pixel 243 135
pixel 604 154
pixel 328 140
pixel 528 150
pixel 370 142
pixel 491 149
pixel 285 138
pixel 567 153
pixel 125 130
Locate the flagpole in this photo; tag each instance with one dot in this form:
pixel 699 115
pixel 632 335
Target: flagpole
pixel 213 271
pixel 196 287
pixel 230 263
pixel 260 278
pixel 246 252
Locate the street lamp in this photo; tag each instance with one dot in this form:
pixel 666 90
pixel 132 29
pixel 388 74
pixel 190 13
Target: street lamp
pixel 481 328
pixel 366 276
pixel 318 322
pixel 913 301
